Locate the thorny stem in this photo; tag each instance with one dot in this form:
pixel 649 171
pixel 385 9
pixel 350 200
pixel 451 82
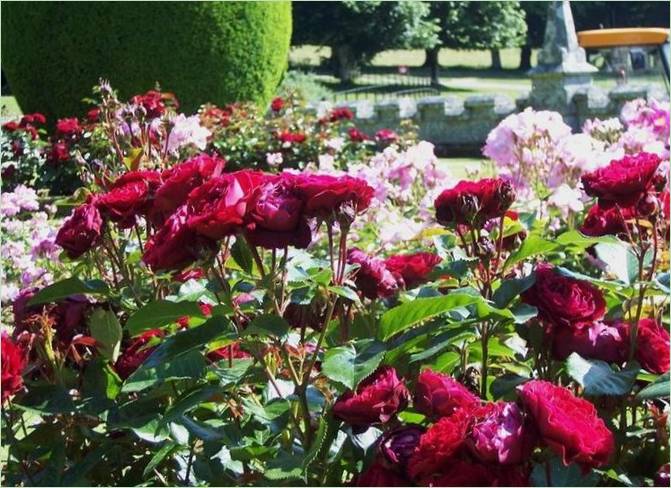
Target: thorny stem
pixel 329 233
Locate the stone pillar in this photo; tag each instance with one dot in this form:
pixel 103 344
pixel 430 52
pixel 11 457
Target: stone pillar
pixel 562 68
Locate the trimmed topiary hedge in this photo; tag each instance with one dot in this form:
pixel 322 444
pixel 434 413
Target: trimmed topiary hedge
pixel 53 53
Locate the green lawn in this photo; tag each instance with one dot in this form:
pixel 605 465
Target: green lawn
pixel 9 107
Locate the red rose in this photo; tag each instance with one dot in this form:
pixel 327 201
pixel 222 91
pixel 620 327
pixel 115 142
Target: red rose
pixel 68 127
pixel 652 346
pixel 340 113
pixel 277 104
pixel 355 135
pixel 11 126
pixel 288 137
pixel 275 218
pixel 81 231
pixel 607 341
pixel 326 194
pixel 378 475
pixel 232 351
pixel 601 221
pixel 130 195
pixel 386 136
pixel 396 446
pixel 501 434
pixel 372 278
pixel 93 115
pixel 568 424
pixel 70 317
pixel 180 180
pixel 412 269
pixel 59 152
pixel 13 363
pixel 376 400
pixel 154 102
pixel 218 207
pixel 136 353
pixel 439 395
pixel 623 181
pixel 439 444
pixel 474 202
pixel 34 118
pixel 175 245
pixel 564 301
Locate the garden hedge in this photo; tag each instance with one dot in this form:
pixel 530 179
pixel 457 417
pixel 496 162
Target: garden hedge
pixel 53 53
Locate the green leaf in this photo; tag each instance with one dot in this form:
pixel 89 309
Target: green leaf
pixel 532 246
pixel 242 255
pixel 268 412
pixel 662 282
pixel 574 238
pixel 229 376
pixel 441 342
pixel 67 288
pixel 157 314
pixel 190 365
pixel 158 458
pixel 505 384
pixel 345 292
pixel 597 377
pixel 268 326
pixel 106 330
pixel 408 314
pixel 620 260
pixel 285 466
pixel 511 289
pixel 202 430
pixel 352 363
pixel 658 389
pixel 188 401
pixel 560 475
pixel 47 399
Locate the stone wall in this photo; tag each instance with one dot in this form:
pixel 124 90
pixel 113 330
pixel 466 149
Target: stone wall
pixel 463 124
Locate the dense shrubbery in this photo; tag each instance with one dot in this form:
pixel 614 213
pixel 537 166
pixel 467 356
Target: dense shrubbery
pixel 284 300
pixel 207 51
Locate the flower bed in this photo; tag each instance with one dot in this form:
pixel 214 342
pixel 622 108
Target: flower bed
pixel 255 299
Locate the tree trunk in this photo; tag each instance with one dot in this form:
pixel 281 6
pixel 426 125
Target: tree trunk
pixel 496 59
pixel 525 57
pixel 344 64
pixel 432 63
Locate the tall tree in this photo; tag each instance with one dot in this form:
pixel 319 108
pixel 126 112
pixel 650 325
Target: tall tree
pixel 356 31
pixel 536 16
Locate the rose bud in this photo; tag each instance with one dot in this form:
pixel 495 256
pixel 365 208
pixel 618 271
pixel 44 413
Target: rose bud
pixel 623 181
pixel 439 395
pixel 662 477
pixel 13 364
pixel 378 475
pixel 396 446
pixel 81 232
pixel 569 425
pixel 474 202
pixel 564 301
pixel 648 206
pixel 601 221
pixel 376 400
pixel 607 341
pixel 277 104
pixel 136 353
pixel 659 181
pixel 486 248
pixel 372 278
pixel 412 269
pixel 501 434
pixel 652 346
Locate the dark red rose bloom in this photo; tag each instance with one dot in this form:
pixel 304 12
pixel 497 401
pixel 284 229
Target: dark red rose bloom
pixel 219 206
pixel 662 477
pixel 501 434
pixel 396 446
pixel 22 311
pixel 340 113
pixel 564 301
pixel 232 351
pixel 386 136
pixel 461 472
pixel 11 126
pixel 205 308
pixel 623 181
pixel 440 395
pixel 355 135
pixel 180 180
pixel 568 424
pixel 136 353
pixel 372 278
pixel 277 104
pixel 31 119
pixel 68 127
pixel 275 218
pixel 604 221
pixel 93 115
pixel 13 364
pixel 81 231
pixel 607 341
pixel 154 102
pixel 666 204
pixel 376 400
pixel 474 202
pixel 291 137
pixel 70 317
pixel 59 152
pixel 130 195
pixel 412 269
pixel 652 346
pixel 326 194
pixel 439 444
pixel 175 245
pixel 378 475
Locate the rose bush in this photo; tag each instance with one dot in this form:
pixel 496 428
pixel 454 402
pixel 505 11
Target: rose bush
pixel 280 299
